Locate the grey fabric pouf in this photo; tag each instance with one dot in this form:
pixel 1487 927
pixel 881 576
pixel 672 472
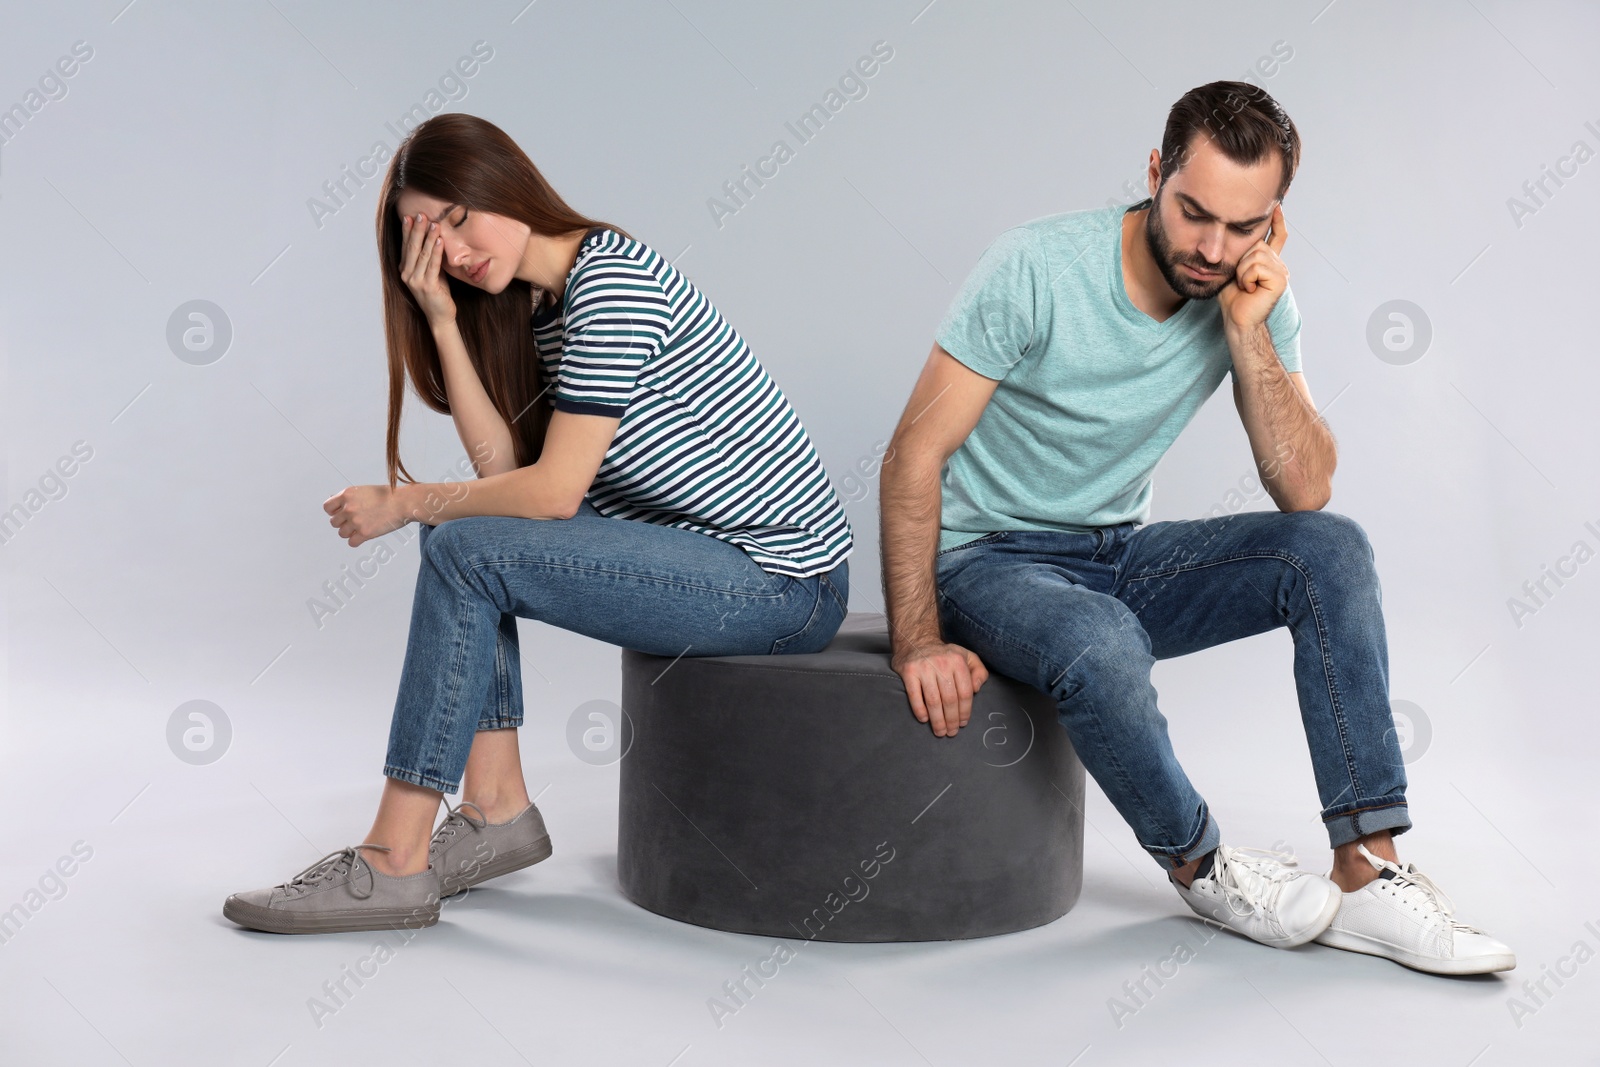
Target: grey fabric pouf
pixel 797 796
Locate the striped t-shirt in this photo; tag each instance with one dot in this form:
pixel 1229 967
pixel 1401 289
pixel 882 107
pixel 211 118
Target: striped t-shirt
pixel 707 441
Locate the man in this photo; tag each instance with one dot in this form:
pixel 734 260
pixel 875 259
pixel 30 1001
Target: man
pixel 1015 537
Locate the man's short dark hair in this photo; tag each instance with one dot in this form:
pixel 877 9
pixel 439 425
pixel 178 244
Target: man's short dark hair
pixel 1242 120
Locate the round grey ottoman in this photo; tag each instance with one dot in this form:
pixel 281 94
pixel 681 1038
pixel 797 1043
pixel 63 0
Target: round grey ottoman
pixel 797 796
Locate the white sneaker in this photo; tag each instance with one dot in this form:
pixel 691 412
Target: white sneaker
pixel 1255 892
pixel 1408 919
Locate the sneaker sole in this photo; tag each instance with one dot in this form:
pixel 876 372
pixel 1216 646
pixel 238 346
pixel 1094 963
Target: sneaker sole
pixel 274 921
pixel 1350 942
pixel 526 856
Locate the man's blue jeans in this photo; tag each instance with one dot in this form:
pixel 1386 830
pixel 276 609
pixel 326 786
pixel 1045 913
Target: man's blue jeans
pixel 1084 616
pixel 657 589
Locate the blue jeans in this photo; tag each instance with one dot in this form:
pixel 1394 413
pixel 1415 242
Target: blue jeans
pixel 657 589
pixel 1084 616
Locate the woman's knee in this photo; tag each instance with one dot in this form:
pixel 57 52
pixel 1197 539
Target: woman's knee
pixel 453 543
pixel 437 541
pixel 453 546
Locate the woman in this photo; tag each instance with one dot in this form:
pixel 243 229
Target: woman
pixel 641 480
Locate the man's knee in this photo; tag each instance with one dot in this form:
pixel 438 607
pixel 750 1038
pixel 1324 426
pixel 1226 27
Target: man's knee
pixel 1107 670
pixel 1098 647
pixel 1070 639
pixel 1328 541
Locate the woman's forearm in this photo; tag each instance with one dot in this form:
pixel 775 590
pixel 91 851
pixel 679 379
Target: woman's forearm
pixel 531 492
pixel 482 430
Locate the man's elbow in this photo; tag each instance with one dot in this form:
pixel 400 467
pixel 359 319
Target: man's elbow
pixel 910 459
pixel 1308 502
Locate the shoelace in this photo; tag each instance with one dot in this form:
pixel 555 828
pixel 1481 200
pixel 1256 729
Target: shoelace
pixel 334 863
pixel 454 820
pixel 1241 875
pixel 1415 887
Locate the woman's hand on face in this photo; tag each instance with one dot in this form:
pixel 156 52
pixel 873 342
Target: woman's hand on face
pixel 421 257
pixel 363 512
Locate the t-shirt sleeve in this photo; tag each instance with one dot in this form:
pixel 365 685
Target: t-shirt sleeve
pixel 616 321
pixel 1283 323
pixel 1003 306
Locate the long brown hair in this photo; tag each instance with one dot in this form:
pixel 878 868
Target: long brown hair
pixel 472 162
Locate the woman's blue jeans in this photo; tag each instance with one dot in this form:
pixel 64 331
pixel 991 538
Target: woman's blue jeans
pixel 1084 617
pixel 657 589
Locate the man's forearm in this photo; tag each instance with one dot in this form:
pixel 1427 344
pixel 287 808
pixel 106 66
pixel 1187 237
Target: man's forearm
pixel 478 424
pixel 1292 445
pixel 908 528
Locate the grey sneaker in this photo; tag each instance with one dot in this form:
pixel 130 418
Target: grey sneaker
pixel 339 892
pixel 468 850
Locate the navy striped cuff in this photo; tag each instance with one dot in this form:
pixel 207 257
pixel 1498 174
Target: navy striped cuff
pixel 586 407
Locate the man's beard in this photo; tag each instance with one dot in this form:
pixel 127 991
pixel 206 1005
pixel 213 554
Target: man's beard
pixel 1155 236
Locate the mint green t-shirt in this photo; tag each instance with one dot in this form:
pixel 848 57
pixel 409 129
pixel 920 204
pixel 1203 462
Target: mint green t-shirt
pixel 1092 390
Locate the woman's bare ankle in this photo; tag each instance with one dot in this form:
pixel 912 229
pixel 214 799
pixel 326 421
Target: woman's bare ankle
pixel 397 863
pixel 499 809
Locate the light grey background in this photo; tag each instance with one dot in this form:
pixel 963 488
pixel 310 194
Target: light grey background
pixel 177 565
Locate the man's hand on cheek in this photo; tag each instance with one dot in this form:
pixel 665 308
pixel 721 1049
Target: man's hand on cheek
pixel 1259 280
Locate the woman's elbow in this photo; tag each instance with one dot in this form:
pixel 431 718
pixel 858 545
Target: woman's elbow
pixel 565 501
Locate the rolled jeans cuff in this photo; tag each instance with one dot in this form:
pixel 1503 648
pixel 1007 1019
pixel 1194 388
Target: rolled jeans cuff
pixel 500 724
pixel 426 781
pixel 1210 837
pixel 1392 815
